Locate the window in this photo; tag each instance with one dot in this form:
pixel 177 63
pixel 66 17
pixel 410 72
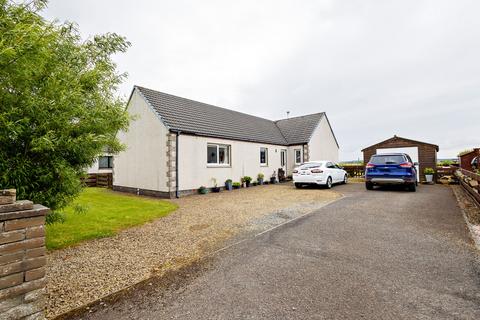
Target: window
pixel 218 154
pixel 264 156
pixel 387 159
pixel 311 166
pixel 105 162
pixel 330 165
pixel 298 156
pixel 283 158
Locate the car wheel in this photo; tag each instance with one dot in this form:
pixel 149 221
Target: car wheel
pixel 329 183
pixel 412 187
pixel 369 185
pixel 298 185
pixel 345 179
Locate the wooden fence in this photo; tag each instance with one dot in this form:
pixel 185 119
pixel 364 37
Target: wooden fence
pixel 472 185
pixel 104 180
pixel 355 171
pixel 445 171
pixel 359 171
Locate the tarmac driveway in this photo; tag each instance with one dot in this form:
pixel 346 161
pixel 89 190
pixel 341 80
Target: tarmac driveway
pixel 379 254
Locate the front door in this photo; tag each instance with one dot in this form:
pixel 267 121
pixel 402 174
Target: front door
pixel 283 160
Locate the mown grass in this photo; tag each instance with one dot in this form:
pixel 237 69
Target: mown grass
pixel 106 213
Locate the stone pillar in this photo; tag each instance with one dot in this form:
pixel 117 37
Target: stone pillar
pixel 306 153
pixel 22 258
pixel 171 163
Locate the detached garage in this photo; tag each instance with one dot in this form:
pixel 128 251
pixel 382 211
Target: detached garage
pixel 422 152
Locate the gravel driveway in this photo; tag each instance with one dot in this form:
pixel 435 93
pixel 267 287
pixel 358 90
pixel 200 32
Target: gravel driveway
pixel 381 254
pixel 202 224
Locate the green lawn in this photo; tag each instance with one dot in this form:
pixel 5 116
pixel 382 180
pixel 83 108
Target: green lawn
pixel 107 213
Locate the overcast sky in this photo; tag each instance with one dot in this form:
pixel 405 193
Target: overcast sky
pixel 378 68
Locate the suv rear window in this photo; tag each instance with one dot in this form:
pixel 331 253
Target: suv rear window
pixel 387 159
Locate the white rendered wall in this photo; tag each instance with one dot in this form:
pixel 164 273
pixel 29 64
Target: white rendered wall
pixel 322 145
pixel 291 158
pixel 245 161
pixel 144 162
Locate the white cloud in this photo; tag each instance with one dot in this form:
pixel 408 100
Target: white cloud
pixel 377 67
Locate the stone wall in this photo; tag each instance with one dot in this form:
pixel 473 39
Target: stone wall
pixel 171 163
pixel 306 153
pixel 22 258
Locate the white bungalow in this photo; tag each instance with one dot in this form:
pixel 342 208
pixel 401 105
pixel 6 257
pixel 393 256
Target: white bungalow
pixel 175 145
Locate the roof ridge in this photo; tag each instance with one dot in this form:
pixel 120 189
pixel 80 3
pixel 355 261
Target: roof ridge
pixel 236 124
pixel 208 104
pixel 305 115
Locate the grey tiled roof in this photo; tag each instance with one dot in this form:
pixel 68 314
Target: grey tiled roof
pixel 188 116
pixel 298 130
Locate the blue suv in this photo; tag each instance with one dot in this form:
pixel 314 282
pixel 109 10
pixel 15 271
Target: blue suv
pixel 391 169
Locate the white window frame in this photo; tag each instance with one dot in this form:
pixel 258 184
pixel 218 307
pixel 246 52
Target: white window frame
pixel 109 163
pixel 264 164
pixel 295 154
pixel 217 164
pixel 283 158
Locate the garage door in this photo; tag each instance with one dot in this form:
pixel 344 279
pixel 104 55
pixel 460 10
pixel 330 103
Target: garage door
pixel 411 151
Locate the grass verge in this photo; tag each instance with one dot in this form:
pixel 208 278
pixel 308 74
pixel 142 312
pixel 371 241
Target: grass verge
pixel 106 213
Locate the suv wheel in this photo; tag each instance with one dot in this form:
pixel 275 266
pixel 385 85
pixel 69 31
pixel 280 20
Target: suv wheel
pixel 369 185
pixel 345 179
pixel 412 187
pixel 298 185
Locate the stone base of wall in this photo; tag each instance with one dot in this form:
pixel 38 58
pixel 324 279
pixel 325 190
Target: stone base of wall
pixel 22 258
pixel 155 193
pixel 144 192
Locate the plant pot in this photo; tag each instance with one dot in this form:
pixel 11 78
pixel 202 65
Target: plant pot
pixel 429 178
pixel 236 187
pixel 216 189
pixel 247 184
pixel 228 186
pixel 272 180
pixel 203 191
pixel 260 182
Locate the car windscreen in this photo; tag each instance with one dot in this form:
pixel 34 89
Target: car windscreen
pixel 387 159
pixel 310 166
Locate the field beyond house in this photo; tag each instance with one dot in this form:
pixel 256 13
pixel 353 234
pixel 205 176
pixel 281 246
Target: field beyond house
pixel 103 214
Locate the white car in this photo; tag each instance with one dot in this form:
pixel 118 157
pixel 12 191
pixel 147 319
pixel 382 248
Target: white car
pixel 325 173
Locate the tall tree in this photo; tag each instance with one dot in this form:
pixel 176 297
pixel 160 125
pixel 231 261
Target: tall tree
pixel 58 104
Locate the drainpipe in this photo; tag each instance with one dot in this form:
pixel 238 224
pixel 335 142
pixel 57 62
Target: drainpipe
pixel 177 192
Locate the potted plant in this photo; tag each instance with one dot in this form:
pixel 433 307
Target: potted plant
pixel 254 183
pixel 429 174
pixel 247 181
pixel 273 178
pixel 236 185
pixel 215 188
pixel 228 184
pixel 203 190
pixel 260 177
